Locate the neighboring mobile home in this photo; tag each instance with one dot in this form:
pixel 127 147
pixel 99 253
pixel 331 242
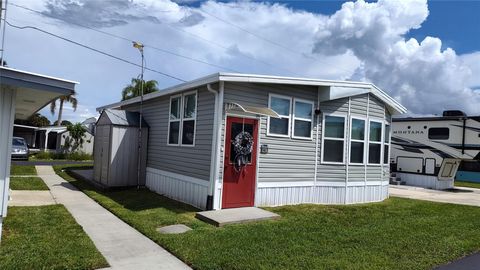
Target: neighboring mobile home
pixel 21 95
pixel 234 140
pixel 421 146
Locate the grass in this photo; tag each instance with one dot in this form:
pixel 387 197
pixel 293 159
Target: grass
pixel 27 183
pixel 22 170
pixel 46 237
pixel 76 156
pixel 467 184
pixel 394 234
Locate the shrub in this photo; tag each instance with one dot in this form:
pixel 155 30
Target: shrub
pixel 79 156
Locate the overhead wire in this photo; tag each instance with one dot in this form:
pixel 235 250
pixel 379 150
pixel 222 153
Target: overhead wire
pixel 93 49
pixel 129 40
pixel 225 48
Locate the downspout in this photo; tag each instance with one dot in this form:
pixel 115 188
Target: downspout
pixel 213 160
pixel 347 148
pixel 219 142
pixel 463 135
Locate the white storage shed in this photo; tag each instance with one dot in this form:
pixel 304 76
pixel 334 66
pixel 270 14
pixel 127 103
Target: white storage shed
pixel 116 149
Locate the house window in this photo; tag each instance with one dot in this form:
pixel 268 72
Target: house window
pixel 279 126
pixel 302 119
pixel 357 141
pixel 181 123
pixel 386 144
pixel 333 139
pixel 375 142
pixel 438 133
pixel 174 120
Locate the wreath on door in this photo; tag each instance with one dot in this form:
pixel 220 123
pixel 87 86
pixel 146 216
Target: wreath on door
pixel 242 146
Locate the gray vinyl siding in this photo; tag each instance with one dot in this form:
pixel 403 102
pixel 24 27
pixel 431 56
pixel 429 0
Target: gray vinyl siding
pixel 186 160
pixel 365 106
pixel 293 159
pixel 287 159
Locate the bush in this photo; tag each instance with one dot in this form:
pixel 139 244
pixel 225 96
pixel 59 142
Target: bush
pixel 69 156
pixel 79 156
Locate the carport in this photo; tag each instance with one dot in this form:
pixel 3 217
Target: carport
pixel 21 95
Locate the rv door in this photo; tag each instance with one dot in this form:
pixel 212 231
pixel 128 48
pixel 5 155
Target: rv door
pixel 449 169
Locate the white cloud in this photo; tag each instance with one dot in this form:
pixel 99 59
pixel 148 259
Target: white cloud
pixel 421 75
pixel 361 41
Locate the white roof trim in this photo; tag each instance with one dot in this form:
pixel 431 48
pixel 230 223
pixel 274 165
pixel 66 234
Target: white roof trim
pixel 37 74
pixel 252 78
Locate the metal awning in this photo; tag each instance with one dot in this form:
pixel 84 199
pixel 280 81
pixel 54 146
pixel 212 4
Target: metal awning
pixel 261 111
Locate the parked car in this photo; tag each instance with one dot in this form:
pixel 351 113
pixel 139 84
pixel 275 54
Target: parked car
pixel 19 148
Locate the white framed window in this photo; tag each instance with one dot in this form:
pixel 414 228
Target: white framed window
pixel 282 106
pixel 174 120
pixel 302 119
pixel 375 142
pixel 386 144
pixel 182 119
pixel 333 139
pixel 358 137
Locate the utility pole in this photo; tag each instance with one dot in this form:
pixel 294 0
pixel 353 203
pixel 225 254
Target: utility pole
pixel 2 24
pixel 140 46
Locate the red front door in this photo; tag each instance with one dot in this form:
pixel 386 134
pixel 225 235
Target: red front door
pixel 239 181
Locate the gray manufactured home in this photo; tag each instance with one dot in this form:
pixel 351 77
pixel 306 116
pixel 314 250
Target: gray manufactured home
pixel 235 140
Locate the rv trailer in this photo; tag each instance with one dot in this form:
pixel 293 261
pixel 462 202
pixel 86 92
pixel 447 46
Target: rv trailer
pixel 432 151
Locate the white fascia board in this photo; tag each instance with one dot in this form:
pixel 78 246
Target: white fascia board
pixel 37 75
pixel 167 91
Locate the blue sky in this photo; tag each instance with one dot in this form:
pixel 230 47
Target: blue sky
pixel 422 53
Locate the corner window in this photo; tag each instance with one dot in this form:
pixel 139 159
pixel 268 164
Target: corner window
pixel 375 142
pixel 386 145
pixel 302 119
pixel 279 126
pixel 333 139
pixel 438 133
pixel 357 141
pixel 181 123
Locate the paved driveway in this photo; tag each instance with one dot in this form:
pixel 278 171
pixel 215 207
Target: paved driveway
pixel 465 196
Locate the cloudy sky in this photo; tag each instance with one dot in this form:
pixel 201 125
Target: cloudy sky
pixel 426 55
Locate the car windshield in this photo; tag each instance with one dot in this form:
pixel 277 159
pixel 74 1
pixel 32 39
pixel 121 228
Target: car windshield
pixel 18 142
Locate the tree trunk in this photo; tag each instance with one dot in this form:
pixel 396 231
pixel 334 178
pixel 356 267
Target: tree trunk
pixel 60 110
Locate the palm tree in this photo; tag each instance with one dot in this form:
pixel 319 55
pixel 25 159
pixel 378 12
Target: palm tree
pixel 134 89
pixel 70 99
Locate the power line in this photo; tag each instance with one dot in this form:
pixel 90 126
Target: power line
pixel 93 49
pixel 130 40
pixel 163 50
pixel 268 40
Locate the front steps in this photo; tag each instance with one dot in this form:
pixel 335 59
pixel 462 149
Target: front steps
pixel 396 180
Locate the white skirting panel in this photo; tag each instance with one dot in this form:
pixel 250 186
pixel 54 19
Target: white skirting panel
pixel 275 195
pixel 426 181
pixel 179 187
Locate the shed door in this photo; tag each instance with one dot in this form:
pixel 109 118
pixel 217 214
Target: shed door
pixel 239 181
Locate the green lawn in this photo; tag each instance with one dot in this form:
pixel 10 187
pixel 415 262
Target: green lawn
pixel 394 234
pixel 467 184
pixel 46 237
pixel 27 183
pixel 22 170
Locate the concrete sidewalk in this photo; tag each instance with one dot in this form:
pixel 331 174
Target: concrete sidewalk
pixel 465 196
pixel 30 198
pixel 122 246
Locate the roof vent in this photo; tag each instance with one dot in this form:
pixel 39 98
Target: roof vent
pixel 453 113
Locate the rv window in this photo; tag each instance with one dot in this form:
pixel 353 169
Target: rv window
pixel 302 119
pixel 279 126
pixel 333 139
pixel 357 144
pixel 438 133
